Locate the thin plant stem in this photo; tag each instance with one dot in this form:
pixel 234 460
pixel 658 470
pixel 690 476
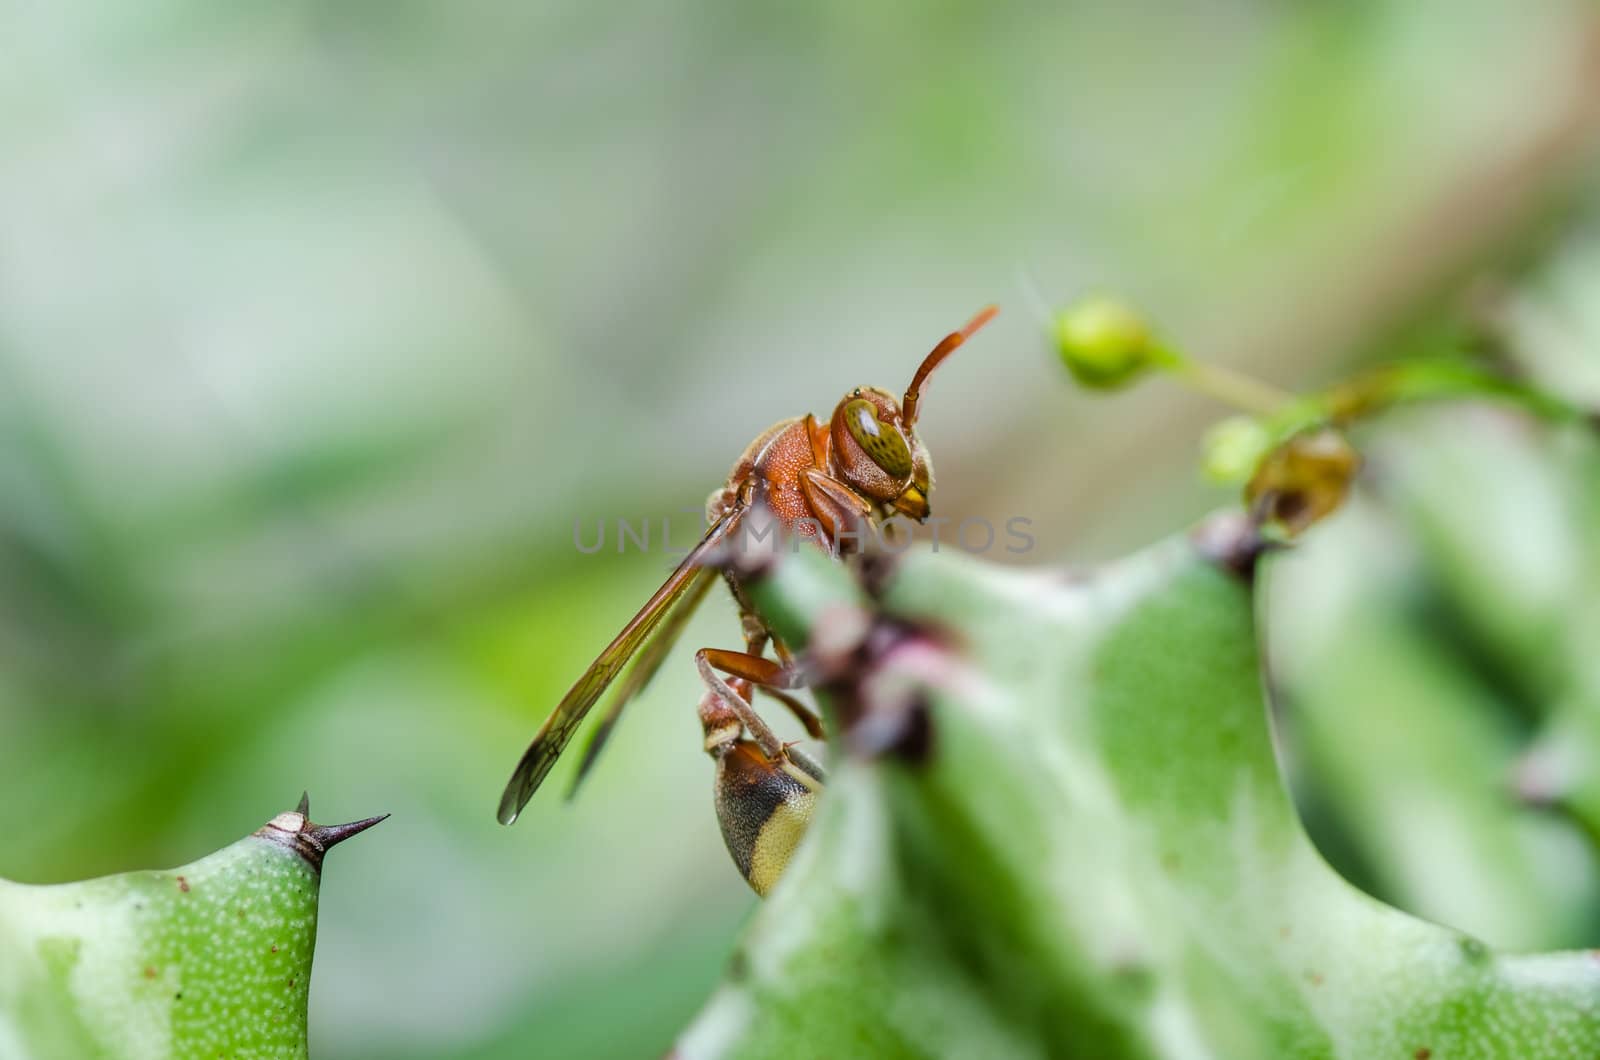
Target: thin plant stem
pixel 1243 392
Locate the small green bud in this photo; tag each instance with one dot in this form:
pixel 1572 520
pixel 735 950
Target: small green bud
pixel 1103 343
pixel 1234 448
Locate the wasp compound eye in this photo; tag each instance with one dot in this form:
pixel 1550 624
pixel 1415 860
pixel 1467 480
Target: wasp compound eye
pixel 883 442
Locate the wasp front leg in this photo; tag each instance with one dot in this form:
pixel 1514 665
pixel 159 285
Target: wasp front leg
pixel 764 801
pixel 844 514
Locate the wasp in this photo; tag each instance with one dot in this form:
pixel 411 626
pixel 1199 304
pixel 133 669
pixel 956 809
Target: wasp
pixel 825 482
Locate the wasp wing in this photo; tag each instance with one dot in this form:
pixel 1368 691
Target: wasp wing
pixel 682 585
pixel 642 669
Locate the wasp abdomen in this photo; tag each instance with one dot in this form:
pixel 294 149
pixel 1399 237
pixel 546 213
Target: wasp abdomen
pixel 764 806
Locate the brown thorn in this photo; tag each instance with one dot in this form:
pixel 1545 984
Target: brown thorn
pixel 294 830
pixel 329 835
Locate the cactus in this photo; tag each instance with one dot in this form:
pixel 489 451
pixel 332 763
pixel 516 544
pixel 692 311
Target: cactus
pixel 1059 830
pixel 1441 691
pixel 209 959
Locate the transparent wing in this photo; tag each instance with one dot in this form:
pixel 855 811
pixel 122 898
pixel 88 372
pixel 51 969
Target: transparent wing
pixel 642 669
pixel 685 585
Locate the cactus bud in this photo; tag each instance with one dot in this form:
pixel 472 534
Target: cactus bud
pixel 1103 343
pixel 1234 448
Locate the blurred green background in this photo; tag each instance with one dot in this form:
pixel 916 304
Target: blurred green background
pixel 321 324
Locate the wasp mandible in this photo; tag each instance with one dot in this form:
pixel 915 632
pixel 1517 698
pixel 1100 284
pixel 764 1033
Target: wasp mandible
pixel 821 481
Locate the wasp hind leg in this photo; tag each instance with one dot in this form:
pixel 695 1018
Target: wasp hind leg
pixel 771 677
pixel 756 638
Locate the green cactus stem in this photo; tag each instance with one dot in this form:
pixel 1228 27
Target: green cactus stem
pixel 209 959
pixel 1069 837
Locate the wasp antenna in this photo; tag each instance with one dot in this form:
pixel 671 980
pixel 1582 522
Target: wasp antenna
pixel 946 347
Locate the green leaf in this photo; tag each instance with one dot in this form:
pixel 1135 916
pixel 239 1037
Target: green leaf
pixel 1096 856
pixel 209 959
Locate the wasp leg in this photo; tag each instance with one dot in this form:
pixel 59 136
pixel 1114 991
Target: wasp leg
pixel 723 726
pixel 770 677
pixel 805 715
pixel 756 634
pixel 756 637
pixel 843 512
pixel 739 665
pixel 753 668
